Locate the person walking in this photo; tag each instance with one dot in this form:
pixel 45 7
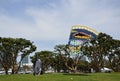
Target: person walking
pixel 37 67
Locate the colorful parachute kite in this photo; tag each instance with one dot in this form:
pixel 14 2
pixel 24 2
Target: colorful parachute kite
pixel 79 36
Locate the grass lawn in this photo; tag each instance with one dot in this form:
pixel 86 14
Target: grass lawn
pixel 63 77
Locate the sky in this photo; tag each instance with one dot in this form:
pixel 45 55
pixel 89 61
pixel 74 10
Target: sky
pixel 48 22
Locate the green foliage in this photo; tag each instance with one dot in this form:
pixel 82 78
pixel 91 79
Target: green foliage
pixel 61 57
pixel 102 48
pixel 65 59
pixel 10 48
pixel 46 58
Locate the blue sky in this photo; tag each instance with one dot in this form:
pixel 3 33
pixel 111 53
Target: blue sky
pixel 48 22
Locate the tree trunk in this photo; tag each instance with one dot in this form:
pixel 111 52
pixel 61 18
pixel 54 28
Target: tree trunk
pixel 14 69
pixel 6 71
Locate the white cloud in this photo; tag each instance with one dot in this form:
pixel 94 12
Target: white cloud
pixel 70 12
pixel 50 24
pixel 54 20
pixel 12 27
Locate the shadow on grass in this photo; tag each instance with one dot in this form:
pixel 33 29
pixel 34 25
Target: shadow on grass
pixel 76 74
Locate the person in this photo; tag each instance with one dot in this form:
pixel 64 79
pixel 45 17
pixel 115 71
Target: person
pixel 37 67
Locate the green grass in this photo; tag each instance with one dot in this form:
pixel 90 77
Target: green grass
pixel 63 77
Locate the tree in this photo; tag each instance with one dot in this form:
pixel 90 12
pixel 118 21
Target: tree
pixel 10 48
pixel 117 60
pixel 46 58
pixel 83 66
pixel 70 62
pixel 97 50
pixel 59 63
pixel 114 55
